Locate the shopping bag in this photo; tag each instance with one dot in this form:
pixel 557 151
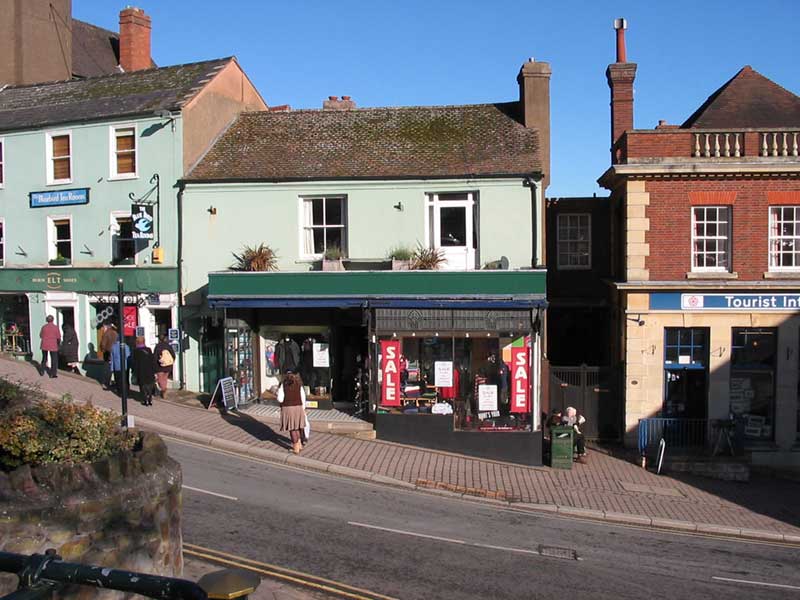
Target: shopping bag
pixel 307 428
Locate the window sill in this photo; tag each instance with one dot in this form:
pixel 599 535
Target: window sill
pixel 60 182
pixel 782 275
pixel 712 275
pixel 125 177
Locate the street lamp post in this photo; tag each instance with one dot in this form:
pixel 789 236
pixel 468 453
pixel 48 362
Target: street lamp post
pixel 123 383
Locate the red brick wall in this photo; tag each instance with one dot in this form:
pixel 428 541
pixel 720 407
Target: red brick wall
pixel 679 143
pixel 670 235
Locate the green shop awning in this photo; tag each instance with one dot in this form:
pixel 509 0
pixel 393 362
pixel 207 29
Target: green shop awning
pixel 464 289
pixel 162 280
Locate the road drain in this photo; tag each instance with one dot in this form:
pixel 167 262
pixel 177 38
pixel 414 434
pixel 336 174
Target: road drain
pixel 556 552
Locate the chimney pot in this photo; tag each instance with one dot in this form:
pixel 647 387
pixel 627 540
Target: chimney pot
pixel 621 25
pixel 345 97
pixel 333 97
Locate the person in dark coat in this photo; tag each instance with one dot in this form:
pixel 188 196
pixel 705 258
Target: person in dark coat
pixel 165 358
pixel 144 368
pixel 69 349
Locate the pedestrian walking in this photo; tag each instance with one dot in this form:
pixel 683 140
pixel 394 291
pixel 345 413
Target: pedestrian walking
pixel 108 337
pixel 165 358
pixel 120 355
pixel 574 419
pixel 50 338
pixel 292 398
pixel 69 349
pixel 144 369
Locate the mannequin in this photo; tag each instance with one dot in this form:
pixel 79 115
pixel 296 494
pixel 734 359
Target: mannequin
pixel 287 354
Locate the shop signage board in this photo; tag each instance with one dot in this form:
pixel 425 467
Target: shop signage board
pixel 443 373
pixel 59 198
pixel 227 394
pixel 390 371
pixel 723 302
pixel 487 398
pixel 320 355
pixel 142 217
pixel 100 281
pixel 520 381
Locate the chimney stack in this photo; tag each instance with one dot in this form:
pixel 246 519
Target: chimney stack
pixel 534 99
pixel 334 103
pixel 620 77
pixel 134 39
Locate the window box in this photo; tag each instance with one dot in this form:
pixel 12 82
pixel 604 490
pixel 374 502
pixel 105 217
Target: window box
pixel 59 262
pixel 332 265
pixel 401 265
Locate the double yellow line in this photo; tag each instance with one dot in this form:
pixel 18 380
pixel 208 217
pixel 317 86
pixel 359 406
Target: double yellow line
pixel 295 577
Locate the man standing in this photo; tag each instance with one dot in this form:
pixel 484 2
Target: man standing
pixel 51 337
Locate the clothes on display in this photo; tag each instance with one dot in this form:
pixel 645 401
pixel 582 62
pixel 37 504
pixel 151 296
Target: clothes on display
pixel 287 355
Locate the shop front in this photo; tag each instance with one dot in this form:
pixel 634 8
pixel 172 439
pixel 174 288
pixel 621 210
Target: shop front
pixel 723 355
pixel 441 360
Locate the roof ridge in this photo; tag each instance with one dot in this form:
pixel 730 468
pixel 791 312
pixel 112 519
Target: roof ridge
pixel 120 74
pixel 378 108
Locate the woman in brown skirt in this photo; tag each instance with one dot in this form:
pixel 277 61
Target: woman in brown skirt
pixel 292 398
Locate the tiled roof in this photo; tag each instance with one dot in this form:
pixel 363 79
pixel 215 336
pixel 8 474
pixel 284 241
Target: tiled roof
pixel 108 96
pixel 95 51
pixel 417 141
pixel 748 100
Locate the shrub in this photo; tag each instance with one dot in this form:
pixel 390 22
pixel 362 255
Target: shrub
pixel 427 259
pixel 60 431
pixel 401 253
pixel 333 253
pixel 258 258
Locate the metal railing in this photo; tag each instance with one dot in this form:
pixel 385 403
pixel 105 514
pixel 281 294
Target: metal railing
pixel 42 574
pixel 677 433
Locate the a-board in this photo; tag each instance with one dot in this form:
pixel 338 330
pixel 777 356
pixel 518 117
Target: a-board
pixel 228 393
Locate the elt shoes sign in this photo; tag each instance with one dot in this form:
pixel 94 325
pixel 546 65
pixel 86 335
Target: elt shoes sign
pixel 142 217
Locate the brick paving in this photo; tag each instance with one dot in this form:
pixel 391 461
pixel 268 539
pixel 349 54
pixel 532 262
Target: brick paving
pixel 764 504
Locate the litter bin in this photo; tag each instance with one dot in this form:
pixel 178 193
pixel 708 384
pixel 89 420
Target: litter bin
pixel 561 444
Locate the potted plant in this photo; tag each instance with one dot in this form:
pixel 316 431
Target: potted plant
pixel 255 258
pixel 59 261
pixel 332 259
pixel 427 259
pixel 401 258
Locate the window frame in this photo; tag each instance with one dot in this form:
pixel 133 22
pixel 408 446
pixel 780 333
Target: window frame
pixel 728 239
pixel 113 174
pixel 114 221
pixel 770 265
pixel 52 238
pixel 303 227
pixel 51 180
pixel 559 241
pixel 2 242
pixel 2 162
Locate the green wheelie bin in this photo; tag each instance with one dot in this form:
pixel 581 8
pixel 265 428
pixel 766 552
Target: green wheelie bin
pixel 561 445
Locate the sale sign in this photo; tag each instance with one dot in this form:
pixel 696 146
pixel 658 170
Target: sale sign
pixel 131 320
pixel 520 381
pixel 390 371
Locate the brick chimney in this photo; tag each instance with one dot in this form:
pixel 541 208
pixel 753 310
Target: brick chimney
pixel 134 39
pixel 334 103
pixel 620 77
pixel 534 99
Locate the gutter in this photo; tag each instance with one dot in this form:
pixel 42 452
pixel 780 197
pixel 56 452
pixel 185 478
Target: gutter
pixel 532 174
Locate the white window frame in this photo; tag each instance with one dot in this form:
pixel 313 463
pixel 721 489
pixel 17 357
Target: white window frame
pixel 727 238
pixel 587 240
pixel 113 224
pixel 303 227
pixel 774 238
pixel 2 163
pixel 52 251
pixel 3 242
pixel 112 152
pixel 51 180
pixel 434 202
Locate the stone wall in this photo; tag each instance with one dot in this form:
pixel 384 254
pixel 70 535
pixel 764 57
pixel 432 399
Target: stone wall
pixel 122 512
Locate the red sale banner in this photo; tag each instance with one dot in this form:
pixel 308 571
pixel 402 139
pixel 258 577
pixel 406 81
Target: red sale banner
pixel 520 381
pixel 390 370
pixel 131 320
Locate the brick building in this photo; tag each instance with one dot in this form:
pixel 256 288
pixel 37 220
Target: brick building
pixel 708 257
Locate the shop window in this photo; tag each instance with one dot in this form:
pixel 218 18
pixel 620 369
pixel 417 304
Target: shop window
pixel 59 158
pixel 123 246
pixel 574 241
pixel 123 151
pixel 304 350
pixel 685 346
pixel 685 372
pixel 711 238
pixel 60 237
pixel 324 225
pixel 2 163
pixel 482 382
pixel 752 383
pixel 2 242
pixel 784 237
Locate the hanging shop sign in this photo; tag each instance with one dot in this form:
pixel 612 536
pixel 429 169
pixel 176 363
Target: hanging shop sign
pixel 520 382
pixel 390 370
pixel 142 217
pixel 59 198
pixel 717 302
pixel 130 319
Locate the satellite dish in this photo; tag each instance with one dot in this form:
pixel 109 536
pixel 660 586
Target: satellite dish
pixel 504 263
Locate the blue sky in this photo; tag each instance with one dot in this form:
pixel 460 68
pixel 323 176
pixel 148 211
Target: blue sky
pixel 419 52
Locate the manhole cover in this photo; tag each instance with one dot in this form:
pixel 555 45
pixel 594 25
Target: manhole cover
pixel 556 552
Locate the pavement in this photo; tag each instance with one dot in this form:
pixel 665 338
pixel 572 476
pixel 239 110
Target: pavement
pixel 608 487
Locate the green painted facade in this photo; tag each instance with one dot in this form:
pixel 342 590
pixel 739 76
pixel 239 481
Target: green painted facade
pixel 139 280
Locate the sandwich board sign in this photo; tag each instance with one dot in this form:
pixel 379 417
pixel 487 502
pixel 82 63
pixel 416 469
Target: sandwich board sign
pixel 227 394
